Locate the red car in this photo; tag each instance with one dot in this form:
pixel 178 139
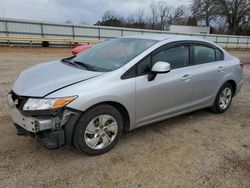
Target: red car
pixel 81 48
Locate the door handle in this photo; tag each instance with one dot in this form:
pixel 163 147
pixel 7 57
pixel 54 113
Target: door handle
pixel 186 77
pixel 220 69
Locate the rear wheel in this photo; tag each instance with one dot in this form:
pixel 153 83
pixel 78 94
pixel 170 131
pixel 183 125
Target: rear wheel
pixel 98 130
pixel 223 99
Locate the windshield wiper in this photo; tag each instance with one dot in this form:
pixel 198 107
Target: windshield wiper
pixel 67 60
pixel 81 64
pixel 88 66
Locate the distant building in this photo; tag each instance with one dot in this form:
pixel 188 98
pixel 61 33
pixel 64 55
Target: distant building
pixel 188 29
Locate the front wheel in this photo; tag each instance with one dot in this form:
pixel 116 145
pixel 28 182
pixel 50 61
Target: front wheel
pixel 223 99
pixel 98 130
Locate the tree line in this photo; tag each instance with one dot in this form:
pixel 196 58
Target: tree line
pixel 224 16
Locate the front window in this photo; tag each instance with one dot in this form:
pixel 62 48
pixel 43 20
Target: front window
pixel 113 54
pixel 178 57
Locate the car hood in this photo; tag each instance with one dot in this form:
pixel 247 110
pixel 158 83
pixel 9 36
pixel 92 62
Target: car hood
pixel 42 79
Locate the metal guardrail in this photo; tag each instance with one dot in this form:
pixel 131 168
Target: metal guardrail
pixel 34 39
pixel 26 31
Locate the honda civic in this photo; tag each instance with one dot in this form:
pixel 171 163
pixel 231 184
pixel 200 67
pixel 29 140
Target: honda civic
pixel 89 100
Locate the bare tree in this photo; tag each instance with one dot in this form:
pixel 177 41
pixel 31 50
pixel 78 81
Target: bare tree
pixel 140 16
pixel 169 15
pixel 163 12
pixel 237 13
pixel 204 11
pixel 154 15
pixel 108 15
pixel 110 18
pixel 137 20
pixel 176 16
pixel 130 19
pixel 191 21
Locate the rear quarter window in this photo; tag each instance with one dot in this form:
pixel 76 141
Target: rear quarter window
pixel 219 55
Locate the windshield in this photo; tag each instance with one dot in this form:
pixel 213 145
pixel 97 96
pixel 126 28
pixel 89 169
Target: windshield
pixel 113 54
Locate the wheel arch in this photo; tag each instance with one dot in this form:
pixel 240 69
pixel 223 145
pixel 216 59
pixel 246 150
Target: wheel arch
pixel 233 84
pixel 121 108
pixel 214 108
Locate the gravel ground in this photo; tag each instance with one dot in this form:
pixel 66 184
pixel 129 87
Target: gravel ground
pixel 199 149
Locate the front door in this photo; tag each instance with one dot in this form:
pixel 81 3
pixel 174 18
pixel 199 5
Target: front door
pixel 168 93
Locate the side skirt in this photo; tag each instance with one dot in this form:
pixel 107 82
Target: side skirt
pixel 171 116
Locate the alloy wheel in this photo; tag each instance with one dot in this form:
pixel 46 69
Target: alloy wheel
pixel 225 98
pixel 101 132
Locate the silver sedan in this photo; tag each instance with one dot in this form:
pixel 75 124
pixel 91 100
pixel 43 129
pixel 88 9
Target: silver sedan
pixel 88 100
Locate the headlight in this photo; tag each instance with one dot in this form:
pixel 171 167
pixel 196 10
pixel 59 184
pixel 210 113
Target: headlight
pixel 46 104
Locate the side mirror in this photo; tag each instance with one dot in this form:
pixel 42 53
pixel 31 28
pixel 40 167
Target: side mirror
pixel 159 67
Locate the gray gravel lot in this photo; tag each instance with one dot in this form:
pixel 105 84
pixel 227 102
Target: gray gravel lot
pixel 199 149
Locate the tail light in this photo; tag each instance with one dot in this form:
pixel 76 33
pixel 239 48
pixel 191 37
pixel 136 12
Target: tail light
pixel 241 65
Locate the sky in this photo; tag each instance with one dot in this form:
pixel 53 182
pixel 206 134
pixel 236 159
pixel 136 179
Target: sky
pixel 78 11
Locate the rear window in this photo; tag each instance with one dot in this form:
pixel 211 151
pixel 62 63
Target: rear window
pixel 203 54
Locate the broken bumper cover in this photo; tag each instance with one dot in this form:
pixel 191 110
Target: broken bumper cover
pixel 30 123
pixel 52 130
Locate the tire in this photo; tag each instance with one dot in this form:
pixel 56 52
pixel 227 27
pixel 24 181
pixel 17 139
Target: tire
pixel 96 131
pixel 218 106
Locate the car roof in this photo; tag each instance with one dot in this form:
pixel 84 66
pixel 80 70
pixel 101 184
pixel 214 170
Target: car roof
pixel 161 37
pixel 174 37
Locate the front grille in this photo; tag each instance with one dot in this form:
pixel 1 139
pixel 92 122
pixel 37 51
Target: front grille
pixel 19 101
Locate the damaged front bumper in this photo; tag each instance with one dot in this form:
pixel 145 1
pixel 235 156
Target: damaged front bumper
pixel 53 130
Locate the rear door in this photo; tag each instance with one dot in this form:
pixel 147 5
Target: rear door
pixel 208 72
